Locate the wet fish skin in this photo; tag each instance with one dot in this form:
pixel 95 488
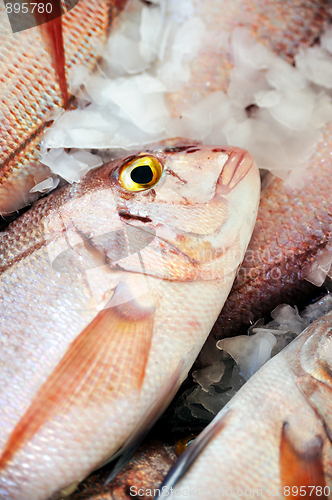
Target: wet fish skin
pixel 293 226
pixel 80 378
pixel 29 91
pixel 275 434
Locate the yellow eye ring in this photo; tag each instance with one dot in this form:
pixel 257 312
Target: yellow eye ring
pixel 140 173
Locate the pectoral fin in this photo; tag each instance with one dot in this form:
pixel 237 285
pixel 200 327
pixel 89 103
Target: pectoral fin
pixel 106 361
pixel 302 473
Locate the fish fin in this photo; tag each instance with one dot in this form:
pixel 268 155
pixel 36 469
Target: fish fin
pixel 107 360
pixel 185 461
pixel 155 411
pixel 302 468
pixel 315 356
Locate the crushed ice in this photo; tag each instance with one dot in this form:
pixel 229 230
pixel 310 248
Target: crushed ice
pixel 320 268
pixel 229 363
pixel 149 55
pixel 45 186
pixel 71 166
pixel 249 352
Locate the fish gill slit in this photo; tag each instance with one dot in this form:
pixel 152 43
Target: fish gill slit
pixel 128 216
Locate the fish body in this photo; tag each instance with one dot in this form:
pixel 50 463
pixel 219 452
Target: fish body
pixel 274 437
pixel 107 295
pixel 30 92
pixel 293 228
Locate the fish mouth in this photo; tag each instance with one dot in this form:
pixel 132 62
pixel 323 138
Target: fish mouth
pixel 236 167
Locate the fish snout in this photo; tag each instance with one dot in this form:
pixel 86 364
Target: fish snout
pixel 236 167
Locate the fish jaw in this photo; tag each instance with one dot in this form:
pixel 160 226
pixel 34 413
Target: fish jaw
pixel 87 377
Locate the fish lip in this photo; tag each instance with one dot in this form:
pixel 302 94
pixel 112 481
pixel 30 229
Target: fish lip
pixel 236 167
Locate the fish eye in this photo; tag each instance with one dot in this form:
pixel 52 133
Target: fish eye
pixel 140 173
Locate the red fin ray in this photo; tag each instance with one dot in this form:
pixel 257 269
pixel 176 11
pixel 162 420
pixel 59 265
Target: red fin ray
pixel 302 468
pixel 106 361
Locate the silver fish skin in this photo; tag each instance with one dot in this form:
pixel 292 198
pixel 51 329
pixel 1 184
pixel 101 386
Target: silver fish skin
pixel 273 439
pixel 107 295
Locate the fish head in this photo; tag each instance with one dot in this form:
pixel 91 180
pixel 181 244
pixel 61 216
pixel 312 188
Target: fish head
pixel 198 213
pixel 181 213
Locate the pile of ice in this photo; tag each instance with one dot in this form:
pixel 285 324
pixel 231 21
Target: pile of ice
pixel 228 364
pixel 271 108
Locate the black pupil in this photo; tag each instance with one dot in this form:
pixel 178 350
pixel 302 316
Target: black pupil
pixel 142 174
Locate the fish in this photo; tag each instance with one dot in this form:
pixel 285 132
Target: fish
pixel 302 26
pixel 273 439
pixel 109 288
pixel 293 228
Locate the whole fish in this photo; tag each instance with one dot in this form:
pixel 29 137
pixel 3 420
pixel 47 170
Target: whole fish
pixel 273 439
pixel 304 21
pixel 109 288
